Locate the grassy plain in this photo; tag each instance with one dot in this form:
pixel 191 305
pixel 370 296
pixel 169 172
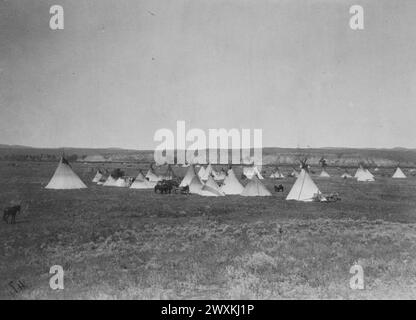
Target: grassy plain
pixel 117 243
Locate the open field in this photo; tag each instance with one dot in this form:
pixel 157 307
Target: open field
pixel 120 243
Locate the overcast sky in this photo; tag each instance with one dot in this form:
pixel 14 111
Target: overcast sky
pixel 122 69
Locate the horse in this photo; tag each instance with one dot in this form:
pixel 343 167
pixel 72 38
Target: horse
pixel 278 188
pixel 11 212
pixel 163 187
pixel 184 190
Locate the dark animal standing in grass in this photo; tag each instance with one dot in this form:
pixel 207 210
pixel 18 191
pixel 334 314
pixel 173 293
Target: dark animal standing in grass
pixel 185 190
pixel 164 186
pixel 278 188
pixel 11 212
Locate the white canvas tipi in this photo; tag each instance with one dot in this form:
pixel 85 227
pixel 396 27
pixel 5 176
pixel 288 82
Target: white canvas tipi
pixel 277 174
pixel 97 177
pixel 65 178
pixel 190 174
pixel 152 176
pixel 324 174
pixel 201 172
pixel 195 186
pixel 231 184
pixel 252 171
pixel 142 184
pixel 359 172
pixel 363 175
pixel 122 183
pixel 207 173
pixel 255 188
pixel 304 188
pixel 211 189
pixel 110 182
pixel 399 174
pixel 140 176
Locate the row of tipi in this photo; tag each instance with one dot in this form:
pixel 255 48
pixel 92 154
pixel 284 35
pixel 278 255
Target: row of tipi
pixel 204 182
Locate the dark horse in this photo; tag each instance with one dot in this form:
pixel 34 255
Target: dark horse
pixel 278 188
pixel 11 212
pixel 165 186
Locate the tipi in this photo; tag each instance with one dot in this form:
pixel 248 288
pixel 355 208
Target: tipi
pixel 97 176
pixel 277 174
pixel 255 188
pixel 398 174
pixel 231 184
pixel 190 174
pixel 304 188
pixel 142 184
pixel 252 171
pixel 121 182
pixel 207 173
pixel 324 174
pixel 65 178
pixel 110 182
pixel 195 186
pixel 211 189
pixel 201 172
pixel 151 175
pixel 140 176
pixel 363 175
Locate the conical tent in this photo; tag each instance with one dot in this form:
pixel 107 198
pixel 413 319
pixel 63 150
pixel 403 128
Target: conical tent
pixel 142 184
pixel 304 189
pixel 252 171
pixel 363 175
pixel 211 189
pixel 152 176
pixel 102 181
pixel 65 178
pixel 255 188
pixel 324 174
pixel 195 186
pixel 110 182
pixel 97 176
pixel 399 174
pixel 369 173
pixel 121 182
pixel 201 172
pixel 277 174
pixel 207 173
pixel 140 176
pixel 190 173
pixel 231 184
pixel 359 172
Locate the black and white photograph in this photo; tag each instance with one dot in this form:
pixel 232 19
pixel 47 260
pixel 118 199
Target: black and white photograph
pixel 221 150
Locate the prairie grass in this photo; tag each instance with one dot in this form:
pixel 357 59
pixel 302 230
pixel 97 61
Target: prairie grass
pixel 116 243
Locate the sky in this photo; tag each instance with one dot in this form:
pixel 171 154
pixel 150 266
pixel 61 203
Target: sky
pixel 120 70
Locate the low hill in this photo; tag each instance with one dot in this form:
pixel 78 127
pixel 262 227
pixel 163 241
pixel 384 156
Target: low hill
pixel 343 157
